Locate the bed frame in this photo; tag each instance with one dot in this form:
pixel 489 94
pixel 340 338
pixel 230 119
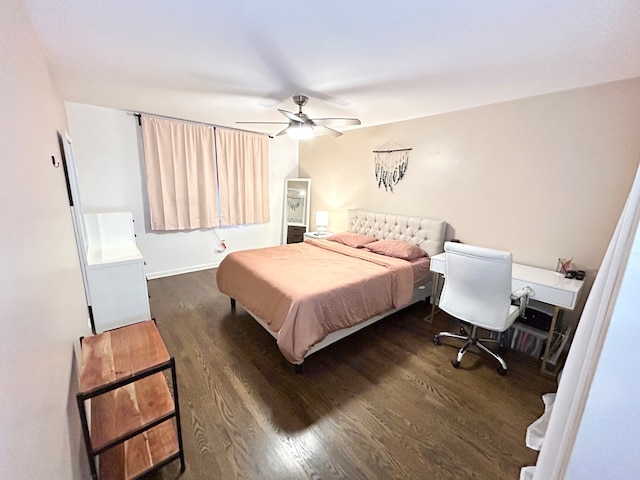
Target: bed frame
pixel 426 232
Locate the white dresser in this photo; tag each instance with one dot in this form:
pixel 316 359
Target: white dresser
pixel 116 283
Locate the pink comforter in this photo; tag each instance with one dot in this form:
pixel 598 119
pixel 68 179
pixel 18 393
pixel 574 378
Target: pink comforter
pixel 305 291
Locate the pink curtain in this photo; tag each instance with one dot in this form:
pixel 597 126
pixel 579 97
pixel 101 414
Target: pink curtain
pixel 243 163
pixel 191 166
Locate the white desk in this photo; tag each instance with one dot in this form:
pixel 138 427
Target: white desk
pixel 547 287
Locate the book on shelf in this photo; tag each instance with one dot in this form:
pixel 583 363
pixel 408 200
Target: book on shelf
pixel 525 338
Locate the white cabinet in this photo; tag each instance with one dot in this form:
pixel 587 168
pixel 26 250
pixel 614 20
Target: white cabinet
pixel 117 286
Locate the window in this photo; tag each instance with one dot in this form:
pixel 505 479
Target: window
pixel 201 176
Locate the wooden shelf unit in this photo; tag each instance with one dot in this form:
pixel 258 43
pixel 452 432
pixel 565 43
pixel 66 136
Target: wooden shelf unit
pixel 134 422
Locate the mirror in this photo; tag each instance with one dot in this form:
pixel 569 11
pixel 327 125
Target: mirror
pixel 297 193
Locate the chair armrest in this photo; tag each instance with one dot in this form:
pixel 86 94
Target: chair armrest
pixel 521 293
pixel 521 297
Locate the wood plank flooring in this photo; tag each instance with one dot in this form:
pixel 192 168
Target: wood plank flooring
pixel 384 403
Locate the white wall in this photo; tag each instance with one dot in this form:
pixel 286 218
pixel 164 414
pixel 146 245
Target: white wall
pixel 42 307
pixel 110 168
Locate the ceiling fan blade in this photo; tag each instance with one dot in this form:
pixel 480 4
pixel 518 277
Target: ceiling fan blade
pixel 282 132
pixel 335 122
pixel 271 123
pixel 291 116
pixel 321 130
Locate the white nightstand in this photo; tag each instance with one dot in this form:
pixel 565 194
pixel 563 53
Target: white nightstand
pixel 317 235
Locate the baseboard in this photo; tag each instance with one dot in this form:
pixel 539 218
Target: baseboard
pixel 179 271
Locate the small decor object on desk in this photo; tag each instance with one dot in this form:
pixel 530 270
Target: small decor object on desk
pixel 564 268
pixel 564 265
pixel 390 164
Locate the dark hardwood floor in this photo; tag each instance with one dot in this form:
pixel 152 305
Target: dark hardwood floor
pixel 384 403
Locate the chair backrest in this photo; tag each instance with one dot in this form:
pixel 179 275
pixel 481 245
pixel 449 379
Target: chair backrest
pixel 477 286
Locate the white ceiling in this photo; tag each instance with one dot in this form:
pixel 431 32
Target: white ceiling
pixel 380 61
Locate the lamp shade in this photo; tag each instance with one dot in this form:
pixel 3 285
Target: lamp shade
pixel 322 220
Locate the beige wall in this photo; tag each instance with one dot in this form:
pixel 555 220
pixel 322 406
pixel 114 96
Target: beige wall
pixel 544 177
pixel 42 307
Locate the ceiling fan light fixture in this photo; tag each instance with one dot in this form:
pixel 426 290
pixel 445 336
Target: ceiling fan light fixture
pixel 301 126
pixel 300 131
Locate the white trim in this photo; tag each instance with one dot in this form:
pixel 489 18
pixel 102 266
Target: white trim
pixel 181 270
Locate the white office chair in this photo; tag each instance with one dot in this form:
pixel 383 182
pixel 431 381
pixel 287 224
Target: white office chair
pixel 477 290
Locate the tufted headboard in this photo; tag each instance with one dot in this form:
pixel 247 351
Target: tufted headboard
pixel 425 232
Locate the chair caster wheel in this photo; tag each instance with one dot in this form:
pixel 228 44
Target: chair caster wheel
pixel 436 339
pixel 502 371
pixel 455 363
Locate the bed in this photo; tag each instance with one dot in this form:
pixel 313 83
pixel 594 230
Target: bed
pixel 309 295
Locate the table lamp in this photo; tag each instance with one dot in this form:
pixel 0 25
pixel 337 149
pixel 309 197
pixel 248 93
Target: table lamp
pixel 322 220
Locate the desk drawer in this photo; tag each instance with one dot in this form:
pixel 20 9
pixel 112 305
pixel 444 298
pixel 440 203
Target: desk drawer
pixel 547 294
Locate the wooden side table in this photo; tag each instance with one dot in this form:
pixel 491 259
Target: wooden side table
pixel 135 420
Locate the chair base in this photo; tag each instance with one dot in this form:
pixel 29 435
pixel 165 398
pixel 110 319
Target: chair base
pixel 473 340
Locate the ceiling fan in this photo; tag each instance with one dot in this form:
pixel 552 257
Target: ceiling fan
pixel 300 126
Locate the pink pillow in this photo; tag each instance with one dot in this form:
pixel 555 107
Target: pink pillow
pixel 397 249
pixel 351 239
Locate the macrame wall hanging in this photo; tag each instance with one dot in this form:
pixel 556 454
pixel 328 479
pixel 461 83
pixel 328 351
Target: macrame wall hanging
pixel 390 164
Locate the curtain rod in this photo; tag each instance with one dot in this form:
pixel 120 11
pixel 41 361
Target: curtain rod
pixel 394 150
pixel 139 116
